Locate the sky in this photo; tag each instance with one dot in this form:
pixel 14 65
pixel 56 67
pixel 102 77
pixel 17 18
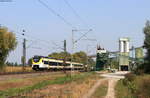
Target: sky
pixel 45 31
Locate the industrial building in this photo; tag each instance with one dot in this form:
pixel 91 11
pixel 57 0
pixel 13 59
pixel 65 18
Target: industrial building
pixel 124 49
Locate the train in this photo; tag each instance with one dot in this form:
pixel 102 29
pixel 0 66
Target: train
pixel 48 63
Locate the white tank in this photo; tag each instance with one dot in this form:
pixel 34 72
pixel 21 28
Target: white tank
pixel 124 45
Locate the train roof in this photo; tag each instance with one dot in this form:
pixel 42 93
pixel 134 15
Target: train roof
pixel 36 56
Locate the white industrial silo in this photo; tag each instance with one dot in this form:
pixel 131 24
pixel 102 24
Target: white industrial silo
pixel 124 45
pixel 124 50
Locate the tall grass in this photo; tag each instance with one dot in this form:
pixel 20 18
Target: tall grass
pixel 60 80
pixel 134 87
pixel 9 69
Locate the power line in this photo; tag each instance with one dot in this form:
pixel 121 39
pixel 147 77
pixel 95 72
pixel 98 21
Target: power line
pixel 35 41
pixel 55 13
pixel 75 12
pixel 82 36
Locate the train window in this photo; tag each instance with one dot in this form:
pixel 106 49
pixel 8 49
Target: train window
pixel 67 64
pixel 36 60
pixel 53 63
pixel 60 64
pixel 45 62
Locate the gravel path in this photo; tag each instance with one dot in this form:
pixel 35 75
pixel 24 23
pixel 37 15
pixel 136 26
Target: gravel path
pixel 111 85
pixel 112 80
pixel 92 90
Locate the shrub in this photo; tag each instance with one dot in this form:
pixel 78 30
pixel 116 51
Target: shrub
pixel 125 82
pixel 130 77
pixel 143 90
pixel 132 87
pixel 139 72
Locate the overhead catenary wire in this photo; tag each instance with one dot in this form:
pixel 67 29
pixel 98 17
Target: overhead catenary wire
pixel 55 13
pixel 75 13
pixel 35 41
pixel 82 36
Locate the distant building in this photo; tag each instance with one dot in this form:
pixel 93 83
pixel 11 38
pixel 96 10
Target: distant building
pixel 139 54
pixel 124 54
pixel 101 58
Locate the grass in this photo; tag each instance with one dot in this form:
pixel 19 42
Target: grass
pixel 28 81
pixel 122 91
pixel 61 80
pixel 73 89
pixel 139 87
pixel 101 91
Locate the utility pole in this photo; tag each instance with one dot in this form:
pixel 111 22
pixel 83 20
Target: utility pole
pixel 87 66
pixel 72 67
pixel 65 53
pixel 24 53
pixel 87 58
pixel 75 41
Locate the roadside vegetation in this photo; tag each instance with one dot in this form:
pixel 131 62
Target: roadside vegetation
pixel 61 81
pixel 133 86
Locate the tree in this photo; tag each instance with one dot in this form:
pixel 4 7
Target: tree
pixel 91 63
pixel 101 60
pixel 30 62
pixel 60 55
pixel 80 57
pixel 147 47
pixel 7 44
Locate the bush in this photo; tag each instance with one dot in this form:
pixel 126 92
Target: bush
pixel 130 77
pixel 125 82
pixel 139 71
pixel 144 88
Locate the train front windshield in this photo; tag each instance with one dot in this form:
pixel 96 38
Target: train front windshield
pixel 36 59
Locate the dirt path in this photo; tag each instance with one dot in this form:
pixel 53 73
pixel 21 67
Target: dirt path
pixel 92 90
pixel 112 80
pixel 111 88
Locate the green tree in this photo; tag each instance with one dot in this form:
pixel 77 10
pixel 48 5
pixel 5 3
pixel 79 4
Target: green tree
pixel 80 57
pixel 30 62
pixel 7 44
pixel 113 63
pixel 147 47
pixel 101 61
pixel 61 55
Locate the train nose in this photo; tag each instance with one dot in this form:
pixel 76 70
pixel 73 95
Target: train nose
pixel 35 67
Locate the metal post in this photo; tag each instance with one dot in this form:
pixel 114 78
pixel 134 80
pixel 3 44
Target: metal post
pixel 72 67
pixel 24 52
pixel 65 52
pixel 87 59
pixel 75 41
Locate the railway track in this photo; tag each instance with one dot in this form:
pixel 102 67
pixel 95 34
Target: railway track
pixel 14 76
pixel 32 72
pixel 23 75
